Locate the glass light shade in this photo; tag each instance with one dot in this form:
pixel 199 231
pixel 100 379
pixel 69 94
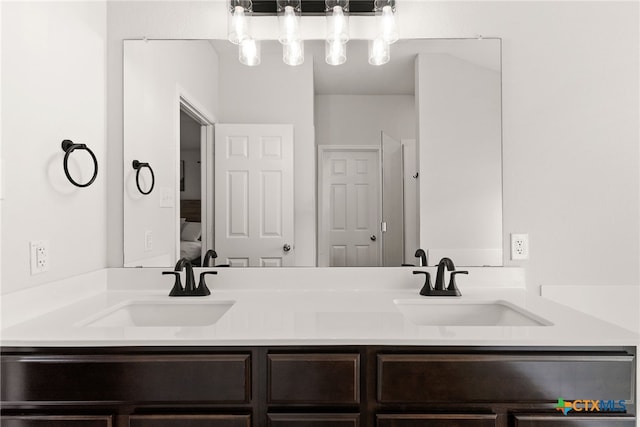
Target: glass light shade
pixel 293 52
pixel 386 23
pixel 337 20
pixel 238 22
pixel 335 52
pixel 249 52
pixel 379 51
pixel 289 13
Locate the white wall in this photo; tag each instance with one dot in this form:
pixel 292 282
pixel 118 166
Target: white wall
pixel 460 159
pixel 277 93
pixel 570 118
pixel 53 88
pixel 156 74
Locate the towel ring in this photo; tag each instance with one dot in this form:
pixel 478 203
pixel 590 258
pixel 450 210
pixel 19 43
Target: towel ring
pixel 138 166
pixel 68 146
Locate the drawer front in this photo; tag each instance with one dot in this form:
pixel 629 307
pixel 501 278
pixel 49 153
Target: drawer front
pixel 322 379
pixel 56 421
pixel 190 421
pixel 313 420
pixel 571 421
pixel 450 378
pixel 436 420
pixel 127 378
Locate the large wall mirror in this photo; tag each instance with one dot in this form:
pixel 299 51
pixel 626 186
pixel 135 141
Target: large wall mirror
pixel 312 165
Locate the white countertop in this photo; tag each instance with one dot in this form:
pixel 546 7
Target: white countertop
pixel 352 312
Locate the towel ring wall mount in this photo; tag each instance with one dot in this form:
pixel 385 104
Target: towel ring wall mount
pixel 138 166
pixel 68 147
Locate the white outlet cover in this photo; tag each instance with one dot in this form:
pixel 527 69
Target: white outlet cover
pixel 519 246
pixel 39 256
pixel 167 197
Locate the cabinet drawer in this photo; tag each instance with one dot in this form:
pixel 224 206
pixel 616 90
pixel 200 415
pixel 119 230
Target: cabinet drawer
pixel 313 420
pixel 190 421
pixel 436 420
pixel 56 421
pixel 321 379
pixel 572 421
pixel 224 378
pixel 482 378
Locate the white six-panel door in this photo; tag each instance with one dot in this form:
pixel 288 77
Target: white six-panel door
pixel 349 206
pixel 254 195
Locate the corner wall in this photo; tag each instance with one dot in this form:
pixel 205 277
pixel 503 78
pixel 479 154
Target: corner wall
pixel 53 88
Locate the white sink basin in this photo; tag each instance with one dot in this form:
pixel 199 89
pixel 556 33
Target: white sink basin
pixel 432 312
pixel 169 313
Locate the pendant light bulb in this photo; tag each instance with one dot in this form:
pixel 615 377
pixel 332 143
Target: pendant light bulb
pixel 289 13
pixel 337 20
pixel 387 25
pixel 238 20
pixel 249 52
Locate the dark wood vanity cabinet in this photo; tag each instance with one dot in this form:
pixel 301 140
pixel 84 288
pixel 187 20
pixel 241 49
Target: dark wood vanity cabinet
pixel 339 386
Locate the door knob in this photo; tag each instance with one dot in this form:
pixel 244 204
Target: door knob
pixel 286 247
pixel 373 238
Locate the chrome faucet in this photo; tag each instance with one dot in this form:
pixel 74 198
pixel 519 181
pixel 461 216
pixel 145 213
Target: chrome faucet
pixel 189 290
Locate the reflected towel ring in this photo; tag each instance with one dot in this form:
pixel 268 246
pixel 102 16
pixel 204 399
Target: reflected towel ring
pixel 68 146
pixel 138 166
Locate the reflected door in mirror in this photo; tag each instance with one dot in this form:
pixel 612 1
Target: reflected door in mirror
pixel 254 195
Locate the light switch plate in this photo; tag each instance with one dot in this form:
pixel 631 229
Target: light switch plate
pixel 167 198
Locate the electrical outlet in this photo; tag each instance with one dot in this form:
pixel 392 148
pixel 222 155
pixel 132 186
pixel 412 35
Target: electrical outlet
pixel 148 240
pixel 519 246
pixel 39 256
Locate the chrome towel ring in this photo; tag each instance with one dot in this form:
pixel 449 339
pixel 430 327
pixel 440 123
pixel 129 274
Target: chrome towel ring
pixel 138 166
pixel 68 146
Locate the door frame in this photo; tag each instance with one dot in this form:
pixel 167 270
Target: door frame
pixel 197 112
pixel 322 149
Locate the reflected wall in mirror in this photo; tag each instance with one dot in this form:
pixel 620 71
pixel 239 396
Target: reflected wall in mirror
pixel 316 165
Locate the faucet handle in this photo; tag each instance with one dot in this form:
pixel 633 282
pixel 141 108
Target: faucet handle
pixel 426 288
pixel 202 288
pixel 452 280
pixel 177 289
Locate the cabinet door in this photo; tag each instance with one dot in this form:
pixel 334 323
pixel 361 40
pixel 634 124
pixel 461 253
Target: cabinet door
pixel 569 421
pixel 56 421
pixel 190 421
pixel 315 379
pixel 314 420
pixel 436 420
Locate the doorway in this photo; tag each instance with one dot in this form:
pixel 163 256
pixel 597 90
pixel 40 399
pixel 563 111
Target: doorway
pixel 195 183
pixel 349 206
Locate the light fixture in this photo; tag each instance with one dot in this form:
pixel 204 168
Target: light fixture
pixel 289 12
pixel 293 52
pixel 379 51
pixel 238 20
pixel 386 20
pixel 249 52
pixel 335 52
pixel 337 12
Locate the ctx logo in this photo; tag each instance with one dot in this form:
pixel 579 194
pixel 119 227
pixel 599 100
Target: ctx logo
pixel 587 405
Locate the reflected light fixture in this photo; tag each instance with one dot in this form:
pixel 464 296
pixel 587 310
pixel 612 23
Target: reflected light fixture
pixel 379 51
pixel 238 20
pixel 293 53
pixel 335 52
pixel 249 52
